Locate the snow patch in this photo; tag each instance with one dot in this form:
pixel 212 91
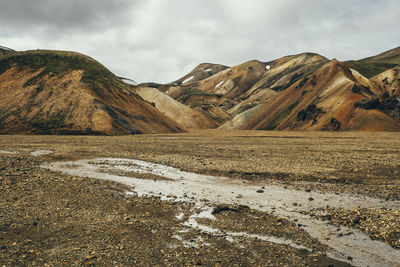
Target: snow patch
pixel 268 67
pixel 130 193
pixel 208 70
pixel 219 84
pixel 8 152
pixel 188 79
pixel 180 216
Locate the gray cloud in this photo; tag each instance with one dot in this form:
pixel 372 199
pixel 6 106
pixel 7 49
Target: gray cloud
pixel 161 40
pixel 55 15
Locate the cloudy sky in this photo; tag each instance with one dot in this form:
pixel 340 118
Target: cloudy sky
pixel 161 40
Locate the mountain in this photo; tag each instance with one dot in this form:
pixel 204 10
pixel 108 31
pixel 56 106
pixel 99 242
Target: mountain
pixel 300 92
pixel 280 74
pixel 374 65
pixel 201 72
pixel 58 92
pixel 325 100
pixel 65 92
pixel 182 114
pixel 249 84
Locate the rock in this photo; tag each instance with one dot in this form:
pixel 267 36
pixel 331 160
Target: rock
pixel 310 199
pixel 220 209
pixel 326 217
pixel 260 191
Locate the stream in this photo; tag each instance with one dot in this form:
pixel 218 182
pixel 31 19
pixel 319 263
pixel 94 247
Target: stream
pixel 180 185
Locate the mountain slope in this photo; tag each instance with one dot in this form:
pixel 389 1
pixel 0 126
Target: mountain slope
pixel 4 51
pixel 65 92
pixel 388 81
pixel 183 115
pixel 325 100
pixel 298 92
pixel 244 86
pixel 201 72
pixel 374 65
pixel 281 73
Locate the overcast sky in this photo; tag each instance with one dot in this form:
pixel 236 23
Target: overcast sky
pixel 161 40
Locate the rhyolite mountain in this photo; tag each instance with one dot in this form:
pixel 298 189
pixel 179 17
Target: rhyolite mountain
pixel 182 114
pixel 299 92
pixel 57 92
pixel 60 92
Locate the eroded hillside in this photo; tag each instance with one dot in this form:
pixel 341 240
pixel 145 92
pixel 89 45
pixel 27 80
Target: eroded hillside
pixel 300 92
pixel 65 92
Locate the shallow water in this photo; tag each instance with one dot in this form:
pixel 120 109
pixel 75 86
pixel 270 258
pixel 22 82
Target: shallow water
pixel 230 236
pixel 38 153
pixel 8 152
pixel 187 186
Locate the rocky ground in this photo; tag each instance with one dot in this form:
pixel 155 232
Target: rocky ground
pixel 379 224
pixel 56 219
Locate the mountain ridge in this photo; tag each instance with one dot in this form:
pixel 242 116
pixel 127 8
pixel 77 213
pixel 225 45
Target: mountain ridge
pixel 48 91
pixel 243 91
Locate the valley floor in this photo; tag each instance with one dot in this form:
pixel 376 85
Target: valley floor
pixel 334 190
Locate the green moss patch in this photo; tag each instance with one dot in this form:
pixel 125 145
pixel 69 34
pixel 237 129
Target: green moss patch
pixel 278 118
pixel 59 62
pixel 56 120
pixel 370 69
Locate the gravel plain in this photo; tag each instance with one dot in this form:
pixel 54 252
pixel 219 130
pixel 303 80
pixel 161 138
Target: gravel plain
pixel 49 218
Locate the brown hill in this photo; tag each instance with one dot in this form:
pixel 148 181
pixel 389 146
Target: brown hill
pixel 281 73
pixel 325 100
pixel 247 84
pixel 299 92
pixel 180 113
pixel 65 92
pixel 219 87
